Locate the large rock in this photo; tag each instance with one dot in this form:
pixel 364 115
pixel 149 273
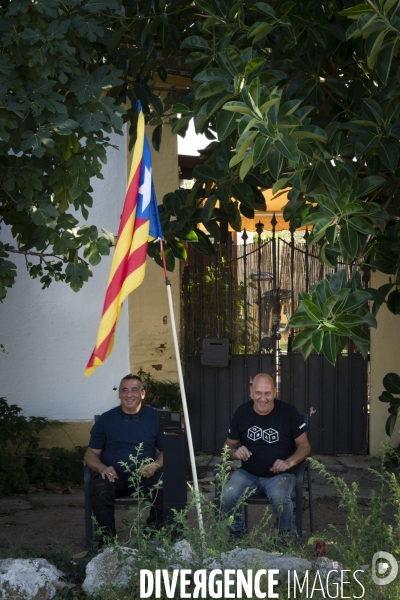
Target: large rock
pixel 258 559
pixel 287 563
pixel 111 567
pixel 181 556
pixel 250 558
pixel 25 579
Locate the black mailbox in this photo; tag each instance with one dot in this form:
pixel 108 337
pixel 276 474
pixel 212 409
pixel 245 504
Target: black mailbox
pixel 215 352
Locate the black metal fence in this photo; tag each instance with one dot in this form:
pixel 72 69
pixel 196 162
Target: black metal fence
pixel 246 294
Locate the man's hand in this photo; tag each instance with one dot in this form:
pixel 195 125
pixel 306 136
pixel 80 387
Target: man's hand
pixel 242 453
pixel 148 471
pixel 280 466
pixel 109 473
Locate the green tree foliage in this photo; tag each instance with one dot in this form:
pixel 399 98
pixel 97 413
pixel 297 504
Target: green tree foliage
pixel 55 112
pixel 292 95
pixel 306 96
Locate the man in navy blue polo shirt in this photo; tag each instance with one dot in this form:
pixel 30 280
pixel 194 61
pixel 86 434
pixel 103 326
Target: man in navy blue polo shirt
pixel 269 437
pixel 116 436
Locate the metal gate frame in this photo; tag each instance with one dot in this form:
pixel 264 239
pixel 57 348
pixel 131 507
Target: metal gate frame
pixel 336 398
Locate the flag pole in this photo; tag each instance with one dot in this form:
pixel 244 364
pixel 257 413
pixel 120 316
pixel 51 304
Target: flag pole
pixel 184 403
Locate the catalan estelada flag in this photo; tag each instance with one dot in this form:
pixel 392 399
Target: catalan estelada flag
pixel 139 224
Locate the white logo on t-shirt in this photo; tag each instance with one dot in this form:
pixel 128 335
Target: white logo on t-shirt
pixel 268 435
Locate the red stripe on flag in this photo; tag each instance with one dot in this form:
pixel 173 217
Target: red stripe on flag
pixel 130 199
pixel 101 351
pixel 136 259
pixel 114 287
pixel 120 275
pixel 91 361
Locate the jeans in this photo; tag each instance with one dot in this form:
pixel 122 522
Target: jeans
pixel 278 489
pixel 104 492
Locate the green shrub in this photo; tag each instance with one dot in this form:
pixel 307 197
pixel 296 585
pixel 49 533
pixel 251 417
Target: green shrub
pixel 163 393
pixel 19 437
pixel 23 463
pixel 56 465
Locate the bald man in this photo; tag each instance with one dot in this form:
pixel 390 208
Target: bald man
pixel 269 437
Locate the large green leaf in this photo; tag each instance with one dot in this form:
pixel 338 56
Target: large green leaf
pixel 357 299
pixel 210 88
pixel 389 155
pixel 301 338
pixel 390 423
pixel 326 203
pixel 328 174
pixel 376 48
pixel 317 340
pixel 349 320
pixel 301 320
pixel 243 193
pixel 195 42
pixel 338 280
pixel 393 302
pixel 329 347
pixel 261 148
pixel 226 124
pixel 356 11
pixel 319 230
pixel 391 383
pixel 362 225
pixel 368 184
pixel 312 310
pixel 386 397
pixel 384 60
pixel 288 148
pixel 274 160
pixel 238 107
pixel 349 240
pixel 204 173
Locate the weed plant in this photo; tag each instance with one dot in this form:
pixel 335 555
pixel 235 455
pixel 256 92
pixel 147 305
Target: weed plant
pixel 367 530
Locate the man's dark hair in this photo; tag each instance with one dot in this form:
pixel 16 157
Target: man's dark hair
pixel 130 376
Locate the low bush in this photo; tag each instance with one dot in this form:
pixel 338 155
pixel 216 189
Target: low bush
pixel 23 463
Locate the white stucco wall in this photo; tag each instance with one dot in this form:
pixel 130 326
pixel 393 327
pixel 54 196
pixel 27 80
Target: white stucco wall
pixel 49 334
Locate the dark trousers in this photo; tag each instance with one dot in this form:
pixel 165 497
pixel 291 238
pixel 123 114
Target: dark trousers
pixel 104 492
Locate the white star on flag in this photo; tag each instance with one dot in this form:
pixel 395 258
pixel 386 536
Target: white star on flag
pixel 145 189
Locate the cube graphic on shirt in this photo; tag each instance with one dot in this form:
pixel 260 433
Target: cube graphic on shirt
pixel 254 433
pixel 270 436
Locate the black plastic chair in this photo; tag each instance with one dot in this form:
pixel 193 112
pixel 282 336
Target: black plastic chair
pixel 87 478
pixel 303 483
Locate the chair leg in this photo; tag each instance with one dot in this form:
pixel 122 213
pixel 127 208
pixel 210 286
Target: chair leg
pixel 299 519
pixel 246 517
pixel 299 506
pixel 310 500
pixel 88 510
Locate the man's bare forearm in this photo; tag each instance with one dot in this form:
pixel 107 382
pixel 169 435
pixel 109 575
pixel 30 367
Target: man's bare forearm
pixel 93 461
pixel 160 460
pixel 301 453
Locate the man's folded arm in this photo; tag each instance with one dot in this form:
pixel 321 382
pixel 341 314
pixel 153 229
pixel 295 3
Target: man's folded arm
pixel 236 453
pixel 302 451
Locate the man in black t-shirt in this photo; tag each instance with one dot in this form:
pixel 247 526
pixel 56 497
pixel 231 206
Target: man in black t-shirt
pixel 269 437
pixel 115 436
